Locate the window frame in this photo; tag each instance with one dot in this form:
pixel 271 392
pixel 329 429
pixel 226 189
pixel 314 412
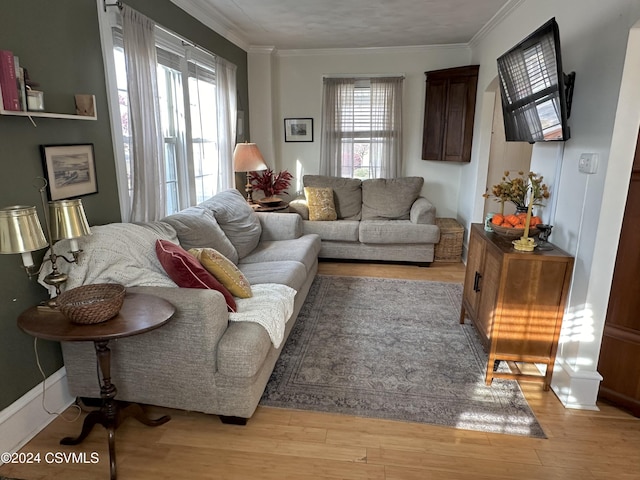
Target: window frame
pixel 187 53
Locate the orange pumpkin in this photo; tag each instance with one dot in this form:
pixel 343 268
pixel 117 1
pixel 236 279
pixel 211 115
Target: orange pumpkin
pixel 497 219
pixel 535 221
pixel 512 219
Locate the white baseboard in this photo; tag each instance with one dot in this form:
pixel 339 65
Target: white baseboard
pixel 25 418
pixel 575 389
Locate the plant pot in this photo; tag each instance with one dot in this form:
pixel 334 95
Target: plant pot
pixel 270 201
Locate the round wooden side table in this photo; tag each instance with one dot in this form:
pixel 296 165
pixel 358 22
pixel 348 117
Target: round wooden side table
pixel 140 313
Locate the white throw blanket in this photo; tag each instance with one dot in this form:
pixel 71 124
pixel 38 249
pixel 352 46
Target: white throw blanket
pixel 270 306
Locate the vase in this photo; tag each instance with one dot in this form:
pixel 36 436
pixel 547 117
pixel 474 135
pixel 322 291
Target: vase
pixel 521 209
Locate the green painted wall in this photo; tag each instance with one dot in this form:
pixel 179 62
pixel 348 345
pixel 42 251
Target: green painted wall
pixel 59 42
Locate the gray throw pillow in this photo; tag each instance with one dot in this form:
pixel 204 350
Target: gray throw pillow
pixel 197 228
pixel 389 198
pixel 347 193
pixel 238 220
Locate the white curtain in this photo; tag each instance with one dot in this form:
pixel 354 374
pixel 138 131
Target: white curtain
pixel 386 125
pixel 147 159
pixel 337 100
pixel 349 118
pixel 227 117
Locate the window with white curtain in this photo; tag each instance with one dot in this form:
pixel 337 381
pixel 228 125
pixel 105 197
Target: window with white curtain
pixel 362 127
pixel 187 96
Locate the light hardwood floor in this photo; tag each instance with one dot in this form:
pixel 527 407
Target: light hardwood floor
pixel 288 444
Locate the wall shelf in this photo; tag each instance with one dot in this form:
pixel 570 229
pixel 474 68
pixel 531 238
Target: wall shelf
pixel 35 114
pixel 47 115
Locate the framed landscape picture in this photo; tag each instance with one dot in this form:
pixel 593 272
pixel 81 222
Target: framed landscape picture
pixel 70 170
pixel 298 129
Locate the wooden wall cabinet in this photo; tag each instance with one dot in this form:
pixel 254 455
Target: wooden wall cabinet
pixel 450 105
pixel 516 300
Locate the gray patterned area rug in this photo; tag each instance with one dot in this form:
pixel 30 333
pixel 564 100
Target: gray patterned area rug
pixel 393 349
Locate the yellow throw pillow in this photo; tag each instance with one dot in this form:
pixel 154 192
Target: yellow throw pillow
pixel 320 203
pixel 224 270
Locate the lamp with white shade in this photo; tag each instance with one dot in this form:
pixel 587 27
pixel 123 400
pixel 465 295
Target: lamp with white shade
pixel 247 158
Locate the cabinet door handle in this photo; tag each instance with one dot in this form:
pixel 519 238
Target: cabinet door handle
pixel 476 282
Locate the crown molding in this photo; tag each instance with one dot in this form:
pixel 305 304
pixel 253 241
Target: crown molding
pixel 368 50
pixel 496 20
pixel 212 18
pixel 262 49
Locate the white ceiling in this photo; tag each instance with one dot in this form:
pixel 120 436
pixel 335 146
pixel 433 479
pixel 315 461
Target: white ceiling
pixel 321 24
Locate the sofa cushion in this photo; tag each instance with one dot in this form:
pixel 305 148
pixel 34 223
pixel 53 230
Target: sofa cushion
pixel 347 193
pixel 197 228
pixel 343 230
pixel 397 232
pixel 224 270
pixel 237 219
pixel 389 198
pixel 185 270
pixel 304 250
pixel 320 204
pixel 286 272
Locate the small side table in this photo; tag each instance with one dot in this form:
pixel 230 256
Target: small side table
pixel 257 207
pixel 140 313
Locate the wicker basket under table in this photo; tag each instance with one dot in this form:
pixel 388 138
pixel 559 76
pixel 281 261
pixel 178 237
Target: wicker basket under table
pixel 449 248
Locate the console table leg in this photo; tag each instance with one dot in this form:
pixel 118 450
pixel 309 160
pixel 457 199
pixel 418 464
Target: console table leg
pixel 89 422
pixel 109 407
pixel 134 410
pixel 112 453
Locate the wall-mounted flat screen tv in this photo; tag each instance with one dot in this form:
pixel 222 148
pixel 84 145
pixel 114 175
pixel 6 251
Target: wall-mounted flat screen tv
pixel 536 94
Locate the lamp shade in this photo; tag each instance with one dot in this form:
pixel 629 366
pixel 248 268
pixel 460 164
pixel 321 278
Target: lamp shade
pixel 67 220
pixel 20 230
pixel 247 158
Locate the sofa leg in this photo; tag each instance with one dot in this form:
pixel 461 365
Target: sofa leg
pixel 424 264
pixel 228 420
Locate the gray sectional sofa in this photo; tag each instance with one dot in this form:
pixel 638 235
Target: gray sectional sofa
pixel 377 219
pixel 200 360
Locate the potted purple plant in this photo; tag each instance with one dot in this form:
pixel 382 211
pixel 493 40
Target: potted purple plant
pixel 272 184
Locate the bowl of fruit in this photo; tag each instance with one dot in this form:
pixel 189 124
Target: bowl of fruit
pixel 513 225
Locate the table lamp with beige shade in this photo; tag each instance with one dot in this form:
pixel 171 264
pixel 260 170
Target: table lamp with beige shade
pixel 247 158
pixel 21 232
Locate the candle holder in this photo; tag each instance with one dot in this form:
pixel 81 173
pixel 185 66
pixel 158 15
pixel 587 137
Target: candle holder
pixel 526 243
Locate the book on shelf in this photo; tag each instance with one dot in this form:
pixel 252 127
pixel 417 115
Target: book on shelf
pixel 22 91
pixel 9 81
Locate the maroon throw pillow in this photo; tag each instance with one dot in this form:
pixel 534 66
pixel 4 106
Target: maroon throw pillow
pixel 187 272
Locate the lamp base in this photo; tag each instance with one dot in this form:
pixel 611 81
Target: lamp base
pixel 248 188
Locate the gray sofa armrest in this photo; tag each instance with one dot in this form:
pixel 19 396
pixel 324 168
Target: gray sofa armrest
pixel 159 366
pixel 299 206
pixel 279 226
pixel 200 313
pixel 423 211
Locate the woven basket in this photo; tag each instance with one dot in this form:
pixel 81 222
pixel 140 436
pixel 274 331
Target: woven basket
pixel 91 304
pixel 510 232
pixel 449 248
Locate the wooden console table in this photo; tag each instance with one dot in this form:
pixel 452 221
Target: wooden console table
pixel 516 301
pixel 140 313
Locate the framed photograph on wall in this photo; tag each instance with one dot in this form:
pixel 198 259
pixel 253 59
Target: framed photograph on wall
pixel 70 170
pixel 298 129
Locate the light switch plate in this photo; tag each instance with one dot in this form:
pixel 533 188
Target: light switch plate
pixel 588 163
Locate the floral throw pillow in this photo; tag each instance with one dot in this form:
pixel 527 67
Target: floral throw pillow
pixel 320 203
pixel 224 270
